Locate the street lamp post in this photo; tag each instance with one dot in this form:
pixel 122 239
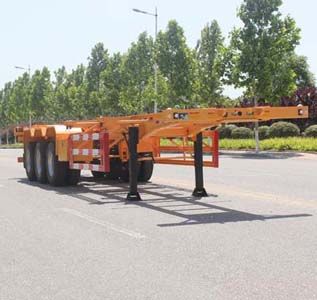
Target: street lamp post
pixel 155 64
pixel 29 72
pixel 256 130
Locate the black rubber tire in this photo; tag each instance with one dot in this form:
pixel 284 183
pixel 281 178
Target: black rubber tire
pixel 40 162
pixel 98 175
pixel 115 169
pixel 29 163
pixel 73 177
pixel 146 170
pixel 56 171
pixel 112 176
pixel 124 172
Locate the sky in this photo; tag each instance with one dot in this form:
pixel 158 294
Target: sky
pixel 54 33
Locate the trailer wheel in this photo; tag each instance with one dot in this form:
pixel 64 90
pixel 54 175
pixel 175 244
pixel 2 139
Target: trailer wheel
pixel 146 170
pixel 40 162
pixel 56 170
pixel 29 161
pixel 97 174
pixel 125 173
pixel 73 177
pixel 115 169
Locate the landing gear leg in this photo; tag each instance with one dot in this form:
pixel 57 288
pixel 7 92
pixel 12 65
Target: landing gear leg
pixel 133 194
pixel 199 190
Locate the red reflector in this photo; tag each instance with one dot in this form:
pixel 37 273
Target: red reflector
pixel 20 159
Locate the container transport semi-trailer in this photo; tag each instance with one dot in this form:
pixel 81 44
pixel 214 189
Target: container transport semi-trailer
pixel 127 147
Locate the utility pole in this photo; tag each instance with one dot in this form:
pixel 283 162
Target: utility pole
pixel 155 64
pixel 256 129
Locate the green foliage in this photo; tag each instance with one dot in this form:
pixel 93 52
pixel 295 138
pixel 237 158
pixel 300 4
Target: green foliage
pixel 112 85
pixel 237 144
pixel 176 63
pixel 242 133
pixel 259 50
pixel 209 55
pixel 283 129
pixel 278 144
pixel 260 58
pixel 225 131
pixel 40 100
pixel 11 146
pixel 311 131
pixel 163 92
pixel 137 68
pixel 264 132
pixel 304 77
pixel 97 63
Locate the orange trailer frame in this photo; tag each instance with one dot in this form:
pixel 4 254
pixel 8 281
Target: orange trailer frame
pixel 129 143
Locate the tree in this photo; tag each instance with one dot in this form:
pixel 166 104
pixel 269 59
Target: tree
pixel 6 114
pixel 41 99
pixel 112 85
pixel 176 62
pixel 209 54
pixel 148 94
pixel 260 48
pixel 137 67
pixel 304 77
pixel 2 116
pixel 60 103
pixel 77 93
pixel 19 99
pixel 97 63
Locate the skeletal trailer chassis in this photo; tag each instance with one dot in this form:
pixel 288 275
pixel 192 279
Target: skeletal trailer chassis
pixel 101 145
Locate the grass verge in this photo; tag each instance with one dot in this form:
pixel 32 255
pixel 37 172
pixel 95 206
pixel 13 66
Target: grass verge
pixel 278 144
pixel 11 146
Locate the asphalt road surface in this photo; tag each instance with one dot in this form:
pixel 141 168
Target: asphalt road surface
pixel 254 237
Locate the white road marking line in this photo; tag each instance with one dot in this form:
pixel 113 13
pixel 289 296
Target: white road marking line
pixel 107 225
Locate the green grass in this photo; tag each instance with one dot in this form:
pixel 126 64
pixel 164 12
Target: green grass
pixel 11 146
pixel 278 144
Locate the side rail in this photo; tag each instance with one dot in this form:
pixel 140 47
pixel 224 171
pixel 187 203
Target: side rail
pixel 97 151
pixel 181 150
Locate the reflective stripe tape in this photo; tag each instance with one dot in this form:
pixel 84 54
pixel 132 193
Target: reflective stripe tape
pixel 93 152
pixel 86 137
pixel 102 153
pixel 91 167
pixel 76 137
pixel 95 167
pixel 75 151
pixel 95 136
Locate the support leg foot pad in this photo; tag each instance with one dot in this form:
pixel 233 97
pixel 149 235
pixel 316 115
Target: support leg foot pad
pixel 200 192
pixel 133 197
